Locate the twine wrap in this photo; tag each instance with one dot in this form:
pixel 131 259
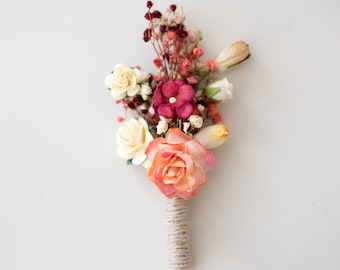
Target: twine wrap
pixel 178 235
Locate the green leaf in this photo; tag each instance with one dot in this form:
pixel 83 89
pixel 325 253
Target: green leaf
pixel 211 91
pixel 129 161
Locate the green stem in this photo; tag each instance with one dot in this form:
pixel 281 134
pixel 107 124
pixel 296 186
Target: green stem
pixel 201 80
pixel 180 124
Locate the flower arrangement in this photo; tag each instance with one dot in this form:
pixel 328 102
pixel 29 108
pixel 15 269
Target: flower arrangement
pixel 177 109
pixel 176 121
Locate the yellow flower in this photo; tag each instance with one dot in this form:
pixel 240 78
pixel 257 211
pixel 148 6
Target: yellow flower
pixel 133 138
pixel 212 136
pixel 232 55
pixel 123 81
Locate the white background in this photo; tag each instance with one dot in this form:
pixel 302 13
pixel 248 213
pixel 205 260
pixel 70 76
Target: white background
pixel 67 201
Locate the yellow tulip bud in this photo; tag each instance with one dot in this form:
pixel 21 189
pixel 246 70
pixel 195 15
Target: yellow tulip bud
pixel 212 136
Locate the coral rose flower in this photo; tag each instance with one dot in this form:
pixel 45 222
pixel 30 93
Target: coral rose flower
pixel 178 164
pixel 174 99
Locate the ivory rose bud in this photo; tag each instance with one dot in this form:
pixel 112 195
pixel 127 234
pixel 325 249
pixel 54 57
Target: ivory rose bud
pixel 212 136
pixel 232 55
pixel 178 164
pixel 132 139
pixel 123 81
pixel 220 90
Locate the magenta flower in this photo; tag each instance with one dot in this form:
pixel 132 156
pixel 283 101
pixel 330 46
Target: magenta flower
pixel 173 99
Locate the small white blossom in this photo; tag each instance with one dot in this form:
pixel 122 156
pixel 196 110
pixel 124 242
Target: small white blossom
pixel 201 68
pixel 145 91
pixel 196 121
pixel 186 126
pixel 174 19
pixel 165 119
pixel 162 127
pixel 200 108
pixel 151 110
pixel 141 76
pixel 142 107
pixel 156 22
pixel 195 34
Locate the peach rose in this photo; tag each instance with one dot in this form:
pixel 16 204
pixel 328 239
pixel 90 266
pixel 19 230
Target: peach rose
pixel 178 164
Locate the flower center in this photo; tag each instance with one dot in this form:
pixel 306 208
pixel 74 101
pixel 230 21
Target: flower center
pixel 172 100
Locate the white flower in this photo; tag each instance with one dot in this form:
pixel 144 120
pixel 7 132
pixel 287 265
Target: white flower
pixel 123 81
pixel 141 76
pixel 186 126
pixel 195 34
pixel 196 121
pixel 232 55
pixel 174 19
pixel 212 136
pixel 156 22
pixel 168 120
pixel 162 127
pixel 151 110
pixel 132 139
pixel 143 107
pixel 200 108
pixel 201 68
pixel 219 90
pixel 145 91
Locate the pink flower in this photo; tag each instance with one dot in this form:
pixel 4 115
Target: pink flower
pixel 120 119
pixel 217 117
pixel 157 62
pixel 192 80
pixel 198 51
pixel 212 108
pixel 156 78
pixel 211 65
pixel 173 99
pixel 185 66
pixel 178 164
pixel 171 35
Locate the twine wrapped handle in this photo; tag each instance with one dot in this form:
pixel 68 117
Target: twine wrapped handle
pixel 178 235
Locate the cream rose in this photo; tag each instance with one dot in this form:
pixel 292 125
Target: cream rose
pixel 133 138
pixel 123 81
